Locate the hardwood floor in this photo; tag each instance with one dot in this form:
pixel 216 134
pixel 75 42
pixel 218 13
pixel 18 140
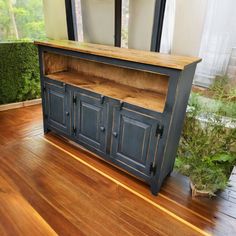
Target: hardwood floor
pixel 50 187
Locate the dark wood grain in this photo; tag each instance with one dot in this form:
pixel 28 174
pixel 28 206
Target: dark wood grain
pixel 151 58
pixel 49 186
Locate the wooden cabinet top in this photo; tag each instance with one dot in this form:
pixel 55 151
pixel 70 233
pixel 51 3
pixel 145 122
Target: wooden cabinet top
pixel 145 57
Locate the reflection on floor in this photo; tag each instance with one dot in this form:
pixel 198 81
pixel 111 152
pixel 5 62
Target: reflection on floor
pixel 50 187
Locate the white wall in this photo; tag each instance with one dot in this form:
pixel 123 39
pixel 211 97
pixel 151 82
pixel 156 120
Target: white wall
pixel 141 14
pixel 55 19
pixel 98 21
pixel 188 28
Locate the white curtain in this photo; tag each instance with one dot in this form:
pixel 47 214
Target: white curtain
pixel 218 39
pixel 168 27
pixel 77 17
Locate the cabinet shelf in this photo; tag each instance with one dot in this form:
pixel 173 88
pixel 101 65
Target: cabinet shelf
pixel 139 97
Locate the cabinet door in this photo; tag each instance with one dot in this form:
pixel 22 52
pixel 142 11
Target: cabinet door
pixel 57 107
pixel 90 120
pixel 134 141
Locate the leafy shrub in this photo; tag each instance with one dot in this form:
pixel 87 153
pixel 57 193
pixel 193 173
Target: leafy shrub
pixel 205 173
pixel 225 93
pixel 19 77
pixel 207 150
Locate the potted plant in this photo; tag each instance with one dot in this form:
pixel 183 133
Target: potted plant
pixel 207 175
pixel 207 150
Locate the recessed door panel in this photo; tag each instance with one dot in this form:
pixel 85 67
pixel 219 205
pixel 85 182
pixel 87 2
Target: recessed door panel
pixel 134 140
pixel 57 107
pixel 90 121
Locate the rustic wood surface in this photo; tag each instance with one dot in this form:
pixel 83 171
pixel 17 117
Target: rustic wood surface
pixel 151 58
pixel 50 187
pixel 136 78
pixel 139 97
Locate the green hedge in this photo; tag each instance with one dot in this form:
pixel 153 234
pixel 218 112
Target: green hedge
pixel 19 72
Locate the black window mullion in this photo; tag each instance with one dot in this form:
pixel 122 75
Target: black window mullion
pixel 69 20
pixel 118 16
pixel 158 19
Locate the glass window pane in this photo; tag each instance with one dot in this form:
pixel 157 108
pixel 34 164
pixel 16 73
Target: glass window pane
pixel 21 19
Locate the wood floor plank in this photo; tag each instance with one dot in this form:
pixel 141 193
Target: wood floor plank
pixel 68 199
pixel 63 189
pixel 14 208
pixel 71 192
pixel 202 220
pixel 56 219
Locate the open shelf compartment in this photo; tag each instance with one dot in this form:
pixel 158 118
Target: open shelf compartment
pixel 140 88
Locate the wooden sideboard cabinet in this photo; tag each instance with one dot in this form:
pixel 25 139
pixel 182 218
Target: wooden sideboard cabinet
pixel 126 106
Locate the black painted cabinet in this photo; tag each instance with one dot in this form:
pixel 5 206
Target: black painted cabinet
pixel 134 140
pixel 57 107
pixel 90 120
pixel 126 106
pixel 133 135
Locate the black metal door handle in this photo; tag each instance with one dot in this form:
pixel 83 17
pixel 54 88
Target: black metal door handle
pixel 102 128
pixel 102 99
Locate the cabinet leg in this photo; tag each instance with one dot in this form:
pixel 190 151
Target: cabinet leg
pixel 169 174
pixel 155 189
pixel 45 129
